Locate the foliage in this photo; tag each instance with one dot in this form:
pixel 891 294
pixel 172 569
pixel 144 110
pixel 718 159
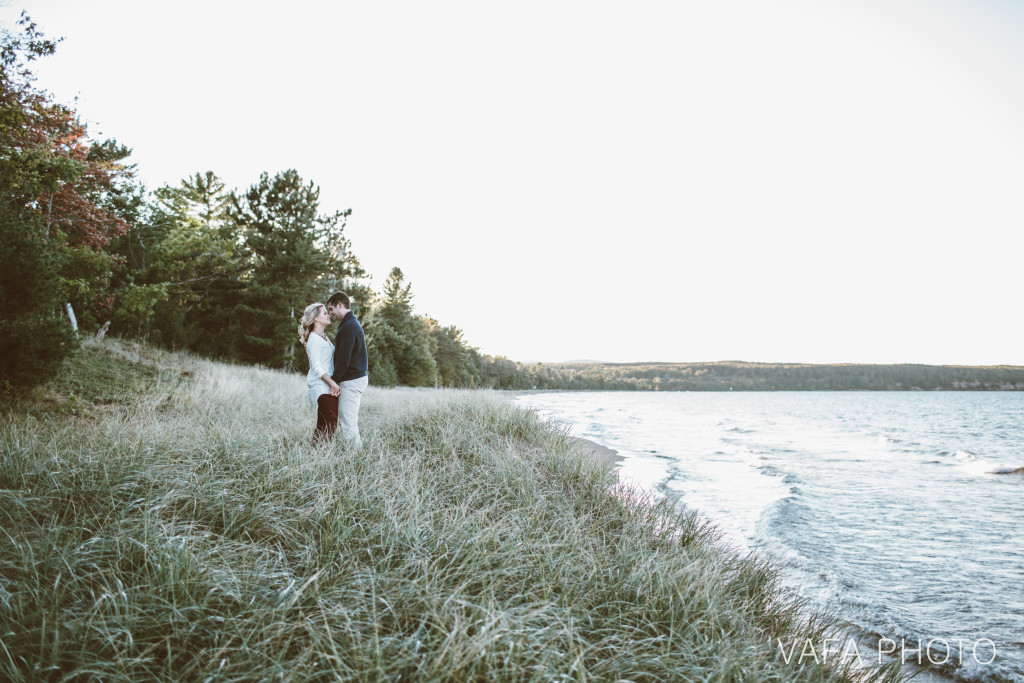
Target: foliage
pixel 739 376
pixel 290 247
pixel 75 186
pixel 32 349
pixel 30 287
pixel 399 343
pixel 187 268
pixel 458 364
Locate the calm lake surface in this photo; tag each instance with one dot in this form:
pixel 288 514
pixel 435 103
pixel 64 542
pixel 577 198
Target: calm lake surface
pixel 903 510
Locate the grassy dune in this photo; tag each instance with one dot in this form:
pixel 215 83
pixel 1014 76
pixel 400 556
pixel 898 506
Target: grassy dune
pixel 165 518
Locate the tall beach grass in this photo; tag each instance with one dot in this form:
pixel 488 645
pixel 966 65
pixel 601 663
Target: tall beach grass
pixel 166 518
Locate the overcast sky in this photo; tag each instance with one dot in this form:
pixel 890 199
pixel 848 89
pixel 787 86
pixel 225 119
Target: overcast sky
pixel 784 180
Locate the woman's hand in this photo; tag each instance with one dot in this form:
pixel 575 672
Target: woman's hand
pixel 335 389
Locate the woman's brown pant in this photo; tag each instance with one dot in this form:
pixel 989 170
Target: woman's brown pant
pixel 326 418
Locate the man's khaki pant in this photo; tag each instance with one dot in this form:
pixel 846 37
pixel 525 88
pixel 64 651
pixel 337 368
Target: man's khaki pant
pixel 348 408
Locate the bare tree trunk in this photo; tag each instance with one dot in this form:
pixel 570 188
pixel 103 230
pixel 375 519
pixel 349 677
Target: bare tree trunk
pixel 102 332
pixel 71 316
pixel 143 245
pixel 49 221
pixel 290 351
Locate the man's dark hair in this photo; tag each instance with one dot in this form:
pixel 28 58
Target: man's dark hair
pixel 340 298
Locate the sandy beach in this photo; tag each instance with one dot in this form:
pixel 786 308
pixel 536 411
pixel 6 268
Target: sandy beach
pixel 599 452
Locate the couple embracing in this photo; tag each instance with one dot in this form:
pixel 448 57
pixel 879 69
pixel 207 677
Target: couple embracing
pixel 337 370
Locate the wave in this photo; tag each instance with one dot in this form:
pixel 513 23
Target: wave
pixel 1006 470
pixel 873 622
pixel 786 477
pixel 976 465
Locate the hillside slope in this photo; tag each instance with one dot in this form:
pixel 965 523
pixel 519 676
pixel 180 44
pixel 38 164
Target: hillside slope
pixel 165 518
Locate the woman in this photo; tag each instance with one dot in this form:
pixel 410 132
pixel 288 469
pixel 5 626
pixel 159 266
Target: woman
pixel 323 391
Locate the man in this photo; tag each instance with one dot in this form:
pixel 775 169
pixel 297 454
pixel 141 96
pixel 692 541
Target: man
pixel 349 364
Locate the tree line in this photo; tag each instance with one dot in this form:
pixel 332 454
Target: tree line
pixel 740 376
pixel 225 273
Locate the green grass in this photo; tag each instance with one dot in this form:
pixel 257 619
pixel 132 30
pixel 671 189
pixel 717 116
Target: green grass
pixel 177 525
pixel 100 376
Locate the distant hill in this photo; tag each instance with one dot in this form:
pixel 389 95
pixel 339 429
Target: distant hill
pixel 744 376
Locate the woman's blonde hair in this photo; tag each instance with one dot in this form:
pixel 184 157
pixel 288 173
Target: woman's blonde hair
pixel 306 322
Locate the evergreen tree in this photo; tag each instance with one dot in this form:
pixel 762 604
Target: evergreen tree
pixel 382 347
pixel 457 363
pixel 289 244
pixel 399 343
pixel 342 271
pixel 203 197
pixel 188 263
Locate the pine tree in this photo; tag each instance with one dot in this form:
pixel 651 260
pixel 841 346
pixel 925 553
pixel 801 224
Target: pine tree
pixel 188 265
pixel 289 244
pixel 399 342
pixel 458 364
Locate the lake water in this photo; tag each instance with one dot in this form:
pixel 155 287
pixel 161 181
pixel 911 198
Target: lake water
pixel 903 510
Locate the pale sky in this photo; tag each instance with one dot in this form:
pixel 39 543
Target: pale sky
pixel 786 180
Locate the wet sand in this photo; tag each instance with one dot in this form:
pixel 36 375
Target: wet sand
pixel 599 452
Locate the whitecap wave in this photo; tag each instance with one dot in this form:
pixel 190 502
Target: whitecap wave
pixel 976 465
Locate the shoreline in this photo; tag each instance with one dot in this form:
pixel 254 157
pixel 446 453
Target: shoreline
pixel 611 457
pixel 592 449
pixel 603 454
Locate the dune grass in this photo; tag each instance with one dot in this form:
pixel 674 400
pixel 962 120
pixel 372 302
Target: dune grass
pixel 166 518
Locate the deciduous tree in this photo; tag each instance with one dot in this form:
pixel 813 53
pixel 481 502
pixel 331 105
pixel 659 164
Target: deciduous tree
pixel 32 168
